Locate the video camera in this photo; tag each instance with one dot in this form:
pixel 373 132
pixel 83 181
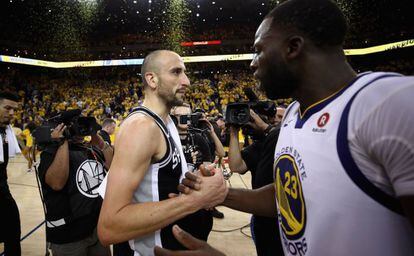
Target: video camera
pixel 76 125
pixel 239 113
pixel 192 119
pixel 194 122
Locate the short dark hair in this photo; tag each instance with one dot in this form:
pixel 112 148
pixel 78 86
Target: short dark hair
pixel 322 21
pixel 8 96
pixel 107 122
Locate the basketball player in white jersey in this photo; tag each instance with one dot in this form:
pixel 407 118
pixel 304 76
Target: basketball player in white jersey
pixel 148 165
pixel 344 161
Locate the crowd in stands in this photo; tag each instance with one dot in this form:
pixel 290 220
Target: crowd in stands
pixel 42 98
pixel 114 92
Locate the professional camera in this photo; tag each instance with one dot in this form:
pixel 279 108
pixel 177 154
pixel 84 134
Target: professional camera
pixel 194 122
pixel 239 113
pixel 76 125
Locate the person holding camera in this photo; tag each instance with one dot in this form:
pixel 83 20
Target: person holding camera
pixel 196 131
pixel 70 172
pixel 258 159
pixel 199 139
pixel 9 147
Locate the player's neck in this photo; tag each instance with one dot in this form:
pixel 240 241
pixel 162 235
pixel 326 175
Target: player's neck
pixel 324 81
pixel 157 106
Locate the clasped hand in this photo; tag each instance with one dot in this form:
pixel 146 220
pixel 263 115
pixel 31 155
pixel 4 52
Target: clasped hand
pixel 207 186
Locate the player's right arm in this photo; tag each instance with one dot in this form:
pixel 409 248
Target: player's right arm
pixel 260 201
pixel 138 144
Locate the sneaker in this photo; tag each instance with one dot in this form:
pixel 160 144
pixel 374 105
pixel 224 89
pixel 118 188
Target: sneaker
pixel 217 214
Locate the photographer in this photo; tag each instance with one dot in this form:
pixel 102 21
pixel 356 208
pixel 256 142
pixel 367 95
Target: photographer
pixel 199 140
pixel 258 158
pixel 70 172
pixel 200 135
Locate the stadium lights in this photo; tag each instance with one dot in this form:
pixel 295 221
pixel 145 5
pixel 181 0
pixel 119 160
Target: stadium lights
pixel 187 59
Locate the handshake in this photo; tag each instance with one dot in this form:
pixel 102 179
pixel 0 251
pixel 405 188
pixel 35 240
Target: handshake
pixel 204 188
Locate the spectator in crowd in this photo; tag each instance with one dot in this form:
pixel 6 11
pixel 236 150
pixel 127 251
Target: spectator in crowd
pixel 28 149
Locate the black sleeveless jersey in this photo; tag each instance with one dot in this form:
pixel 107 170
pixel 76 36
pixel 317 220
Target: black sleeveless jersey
pixel 161 179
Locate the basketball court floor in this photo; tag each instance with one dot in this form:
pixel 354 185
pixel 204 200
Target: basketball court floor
pixel 231 235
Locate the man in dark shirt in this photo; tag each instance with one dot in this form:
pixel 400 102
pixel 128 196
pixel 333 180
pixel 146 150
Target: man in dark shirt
pixel 206 139
pixel 108 128
pixel 203 145
pixel 70 173
pixel 258 158
pixel 10 221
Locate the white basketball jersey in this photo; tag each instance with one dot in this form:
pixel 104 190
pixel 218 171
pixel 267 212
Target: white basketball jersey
pixel 326 206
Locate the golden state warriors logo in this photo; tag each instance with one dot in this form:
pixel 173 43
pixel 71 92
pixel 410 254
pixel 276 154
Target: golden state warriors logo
pixel 290 197
pixel 89 177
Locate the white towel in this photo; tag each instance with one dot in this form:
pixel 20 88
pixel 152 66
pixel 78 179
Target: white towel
pixel 13 144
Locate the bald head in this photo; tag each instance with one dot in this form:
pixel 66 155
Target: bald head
pixel 153 62
pixel 164 78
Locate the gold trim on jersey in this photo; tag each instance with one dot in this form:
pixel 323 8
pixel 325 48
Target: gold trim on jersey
pixel 319 102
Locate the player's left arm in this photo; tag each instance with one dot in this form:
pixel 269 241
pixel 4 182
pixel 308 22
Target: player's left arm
pixel 388 135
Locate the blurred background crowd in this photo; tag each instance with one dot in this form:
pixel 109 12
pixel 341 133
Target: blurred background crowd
pixel 61 30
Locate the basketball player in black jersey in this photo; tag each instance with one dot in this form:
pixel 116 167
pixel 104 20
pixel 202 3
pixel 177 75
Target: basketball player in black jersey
pixel 148 165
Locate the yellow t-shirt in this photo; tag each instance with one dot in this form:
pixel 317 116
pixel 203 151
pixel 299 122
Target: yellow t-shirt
pixel 28 136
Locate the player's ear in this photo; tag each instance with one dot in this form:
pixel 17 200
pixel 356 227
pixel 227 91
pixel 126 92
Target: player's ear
pixel 151 79
pixel 294 46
